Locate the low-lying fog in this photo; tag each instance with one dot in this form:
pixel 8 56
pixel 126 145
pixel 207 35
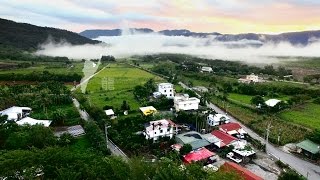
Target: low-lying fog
pixel 140 44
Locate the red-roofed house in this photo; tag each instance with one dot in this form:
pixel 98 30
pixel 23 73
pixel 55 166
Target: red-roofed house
pixel 233 129
pixel 243 172
pixel 225 139
pixel 197 155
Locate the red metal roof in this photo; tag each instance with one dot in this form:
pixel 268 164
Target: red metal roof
pixel 171 122
pixel 197 155
pixel 230 127
pixel 243 172
pixel 224 137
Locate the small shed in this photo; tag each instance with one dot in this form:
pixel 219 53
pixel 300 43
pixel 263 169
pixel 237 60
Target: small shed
pixel 110 113
pixel 308 147
pixel 149 110
pixel 272 102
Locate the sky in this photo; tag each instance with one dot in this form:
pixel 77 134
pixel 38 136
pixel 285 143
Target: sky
pixel 224 16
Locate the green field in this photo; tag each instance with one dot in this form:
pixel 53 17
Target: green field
pixel 115 84
pixel 307 115
pixel 290 132
pixel 52 67
pixel 246 99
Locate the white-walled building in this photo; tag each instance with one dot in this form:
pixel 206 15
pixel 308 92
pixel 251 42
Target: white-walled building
pixel 16 113
pixel 206 69
pixel 184 102
pixel 217 119
pixel 252 78
pixel 166 89
pixel 160 128
pixel 30 121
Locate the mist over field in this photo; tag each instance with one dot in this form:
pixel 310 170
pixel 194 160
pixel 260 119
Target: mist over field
pixel 129 44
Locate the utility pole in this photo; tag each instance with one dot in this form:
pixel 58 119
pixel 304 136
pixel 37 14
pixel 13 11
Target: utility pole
pixel 279 134
pixel 106 131
pixel 268 131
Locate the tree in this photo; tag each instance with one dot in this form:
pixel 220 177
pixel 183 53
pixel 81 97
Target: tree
pixel 290 175
pixel 96 137
pixel 125 106
pixel 59 116
pixel 107 59
pixel 257 100
pixel 150 86
pixel 30 136
pixel 185 149
pixel 66 139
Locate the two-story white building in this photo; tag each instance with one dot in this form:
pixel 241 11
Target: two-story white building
pixel 161 128
pixel 252 78
pixel 217 119
pixel 206 69
pixel 166 89
pixel 185 103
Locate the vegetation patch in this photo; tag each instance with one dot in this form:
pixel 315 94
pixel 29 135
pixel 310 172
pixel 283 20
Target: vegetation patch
pixel 306 115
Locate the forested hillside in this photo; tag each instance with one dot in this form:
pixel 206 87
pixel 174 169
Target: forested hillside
pixel 28 37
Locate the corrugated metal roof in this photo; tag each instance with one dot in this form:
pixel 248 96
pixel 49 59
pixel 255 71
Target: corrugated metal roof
pixel 198 155
pixel 309 146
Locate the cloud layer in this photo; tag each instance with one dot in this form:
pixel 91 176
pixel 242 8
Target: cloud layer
pixel 142 44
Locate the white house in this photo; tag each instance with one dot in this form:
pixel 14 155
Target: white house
pixel 16 113
pixel 272 102
pixel 206 69
pixel 217 119
pixel 166 89
pixel 251 78
pixel 184 102
pixel 160 128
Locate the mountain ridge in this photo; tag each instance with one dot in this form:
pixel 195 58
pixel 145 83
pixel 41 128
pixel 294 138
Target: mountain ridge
pixel 26 36
pixel 295 38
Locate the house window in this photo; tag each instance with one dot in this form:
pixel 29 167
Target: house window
pixel 165 90
pixel 161 131
pixel 170 95
pixel 170 90
pixel 155 132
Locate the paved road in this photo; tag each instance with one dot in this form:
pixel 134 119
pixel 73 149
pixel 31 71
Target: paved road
pixel 305 168
pixel 83 113
pixel 115 150
pixel 86 80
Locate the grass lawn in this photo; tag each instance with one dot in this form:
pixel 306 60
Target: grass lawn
pixel 246 99
pixel 306 115
pixel 115 84
pixel 82 144
pixel 73 117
